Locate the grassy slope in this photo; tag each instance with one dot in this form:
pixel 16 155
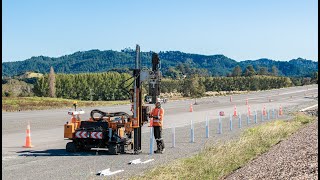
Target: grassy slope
pixel 40 103
pixel 220 160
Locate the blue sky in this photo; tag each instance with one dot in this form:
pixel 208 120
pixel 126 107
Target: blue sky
pixel 239 29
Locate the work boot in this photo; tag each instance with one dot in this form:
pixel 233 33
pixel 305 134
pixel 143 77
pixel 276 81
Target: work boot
pixel 163 150
pixel 157 151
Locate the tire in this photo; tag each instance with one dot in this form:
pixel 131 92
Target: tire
pixel 71 147
pixel 113 149
pixel 86 148
pixel 122 149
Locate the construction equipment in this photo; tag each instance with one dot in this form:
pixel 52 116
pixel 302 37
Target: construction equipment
pixel 119 132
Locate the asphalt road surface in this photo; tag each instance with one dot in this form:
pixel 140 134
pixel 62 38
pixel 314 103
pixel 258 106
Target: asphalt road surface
pixel 48 159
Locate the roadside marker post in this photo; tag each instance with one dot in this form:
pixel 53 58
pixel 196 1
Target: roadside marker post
pixel 230 122
pixel 192 132
pixel 273 115
pixel 261 116
pixel 255 116
pixel 268 114
pixel 173 137
pixel 207 127
pixel 151 140
pixel 248 119
pixel 220 125
pixel 239 120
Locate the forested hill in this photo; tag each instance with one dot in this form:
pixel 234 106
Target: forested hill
pixel 102 61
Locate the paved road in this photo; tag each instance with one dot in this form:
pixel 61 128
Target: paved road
pixel 48 158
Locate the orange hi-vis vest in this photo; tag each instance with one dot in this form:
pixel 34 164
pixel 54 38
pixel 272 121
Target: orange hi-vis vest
pixel 157 112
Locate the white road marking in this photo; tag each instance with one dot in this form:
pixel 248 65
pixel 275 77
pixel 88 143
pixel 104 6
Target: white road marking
pixel 308 108
pixel 107 172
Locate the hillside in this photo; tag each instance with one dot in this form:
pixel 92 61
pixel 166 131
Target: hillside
pixel 102 61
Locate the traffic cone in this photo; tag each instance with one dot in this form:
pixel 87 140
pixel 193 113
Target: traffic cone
pixel 249 111
pixel 191 108
pixel 230 98
pixel 280 111
pixel 28 138
pixel 264 110
pixel 235 110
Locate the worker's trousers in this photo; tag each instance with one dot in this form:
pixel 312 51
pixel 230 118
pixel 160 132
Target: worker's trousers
pixel 158 136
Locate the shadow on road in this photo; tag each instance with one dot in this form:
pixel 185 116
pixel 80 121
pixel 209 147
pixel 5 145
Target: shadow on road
pixel 61 152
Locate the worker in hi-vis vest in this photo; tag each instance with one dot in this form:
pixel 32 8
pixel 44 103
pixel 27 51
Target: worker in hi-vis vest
pixel 157 115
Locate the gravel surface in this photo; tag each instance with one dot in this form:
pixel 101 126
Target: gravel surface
pixel 294 158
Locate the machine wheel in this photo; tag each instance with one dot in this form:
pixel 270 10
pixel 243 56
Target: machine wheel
pixel 113 149
pixel 84 148
pixel 122 149
pixel 71 147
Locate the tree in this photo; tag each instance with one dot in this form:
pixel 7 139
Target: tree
pixel 249 71
pixel 52 83
pixel 237 71
pixel 274 71
pixel 193 87
pixel 263 71
pixel 314 77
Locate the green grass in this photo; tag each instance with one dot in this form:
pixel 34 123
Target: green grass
pixel 217 161
pixel 40 103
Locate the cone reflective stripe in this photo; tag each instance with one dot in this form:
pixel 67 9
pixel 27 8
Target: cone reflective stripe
pixel 235 110
pixel 28 138
pixel 190 109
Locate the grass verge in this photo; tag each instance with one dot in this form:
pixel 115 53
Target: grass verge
pixel 218 161
pixel 40 103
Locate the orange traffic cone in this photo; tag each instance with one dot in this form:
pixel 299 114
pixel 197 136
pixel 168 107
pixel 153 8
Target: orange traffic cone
pixel 191 108
pixel 280 110
pixel 264 111
pixel 28 138
pixel 249 111
pixel 235 110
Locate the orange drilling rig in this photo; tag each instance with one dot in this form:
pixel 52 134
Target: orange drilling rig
pixel 119 132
